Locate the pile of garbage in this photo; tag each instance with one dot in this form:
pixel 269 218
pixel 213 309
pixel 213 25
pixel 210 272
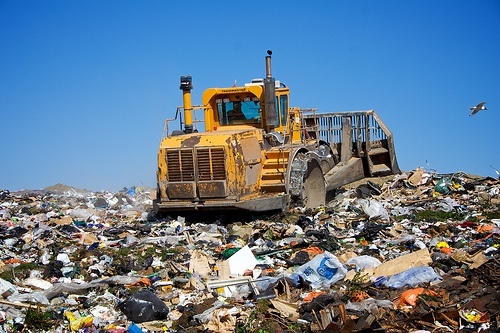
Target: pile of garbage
pixel 414 252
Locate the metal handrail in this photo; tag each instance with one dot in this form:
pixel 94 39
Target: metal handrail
pixel 178 113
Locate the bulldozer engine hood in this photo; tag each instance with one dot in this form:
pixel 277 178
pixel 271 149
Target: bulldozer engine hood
pixel 220 168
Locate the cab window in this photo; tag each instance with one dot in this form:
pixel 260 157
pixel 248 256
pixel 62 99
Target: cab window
pixel 238 112
pixel 283 109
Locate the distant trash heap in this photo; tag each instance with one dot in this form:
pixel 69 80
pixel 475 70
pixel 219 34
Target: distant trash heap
pixel 415 252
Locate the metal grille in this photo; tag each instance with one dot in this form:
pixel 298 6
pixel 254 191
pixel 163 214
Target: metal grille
pixel 180 165
pixel 363 123
pixel 211 164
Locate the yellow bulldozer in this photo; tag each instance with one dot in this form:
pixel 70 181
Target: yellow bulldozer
pixel 256 153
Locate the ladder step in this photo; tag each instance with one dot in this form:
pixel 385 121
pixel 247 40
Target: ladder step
pixel 277 154
pixel 274 169
pixel 275 172
pixel 275 162
pixel 272 186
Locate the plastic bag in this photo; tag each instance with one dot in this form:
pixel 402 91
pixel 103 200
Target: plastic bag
pixel 131 191
pixel 410 296
pixel 363 262
pixel 412 276
pixel 443 186
pixel 77 323
pixel 143 306
pixel 448 205
pixel 206 315
pixel 323 270
pixel 374 209
pixel 368 304
pixel 34 297
pixel 7 288
pixel 70 288
pixel 133 328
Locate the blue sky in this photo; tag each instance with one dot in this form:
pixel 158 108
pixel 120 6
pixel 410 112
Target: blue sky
pixel 85 86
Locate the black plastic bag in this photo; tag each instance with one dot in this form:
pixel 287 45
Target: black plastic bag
pixel 143 306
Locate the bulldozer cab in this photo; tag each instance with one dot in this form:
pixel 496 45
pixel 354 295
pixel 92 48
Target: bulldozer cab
pixel 245 106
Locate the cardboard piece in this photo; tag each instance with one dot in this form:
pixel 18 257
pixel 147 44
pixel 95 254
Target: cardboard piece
pixel 400 264
pixel 63 220
pixel 473 261
pixel 200 263
pixel 286 309
pixel 415 177
pixel 477 260
pixel 223 320
pixel 344 257
pixel 88 238
pixel 223 271
pixel 419 177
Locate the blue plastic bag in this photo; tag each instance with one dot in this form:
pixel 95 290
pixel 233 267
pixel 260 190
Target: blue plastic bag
pixel 412 276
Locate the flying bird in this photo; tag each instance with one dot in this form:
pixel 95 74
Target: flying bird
pixel 477 108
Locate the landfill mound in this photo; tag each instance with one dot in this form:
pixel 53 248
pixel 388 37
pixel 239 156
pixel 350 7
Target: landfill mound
pixel 414 252
pixel 62 188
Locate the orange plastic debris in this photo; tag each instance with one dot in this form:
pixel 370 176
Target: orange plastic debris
pixel 446 250
pixel 410 296
pixel 12 261
pixel 221 248
pixel 267 271
pixel 143 281
pixel 359 295
pixel 484 228
pixel 313 250
pixel 312 295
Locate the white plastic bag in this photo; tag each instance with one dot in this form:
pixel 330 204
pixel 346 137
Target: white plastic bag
pixel 363 262
pixel 374 209
pixel 323 270
pixel 7 288
pixel 368 304
pixel 34 297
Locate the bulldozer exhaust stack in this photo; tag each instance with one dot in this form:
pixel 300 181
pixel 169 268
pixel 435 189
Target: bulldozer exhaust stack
pixel 270 97
pixel 186 86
